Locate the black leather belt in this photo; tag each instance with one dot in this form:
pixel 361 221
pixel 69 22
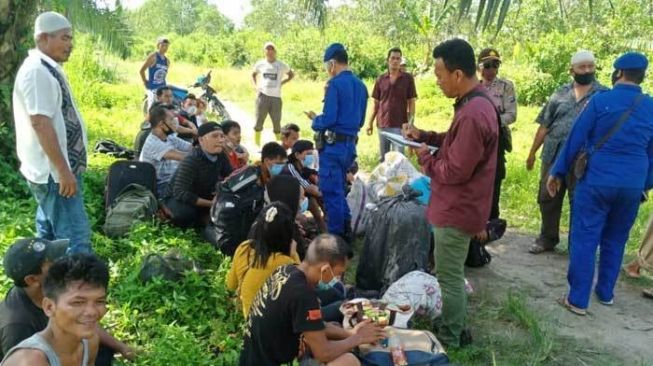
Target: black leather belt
pixel 345 138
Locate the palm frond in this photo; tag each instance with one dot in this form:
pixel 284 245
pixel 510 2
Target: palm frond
pixel 317 11
pixel 106 26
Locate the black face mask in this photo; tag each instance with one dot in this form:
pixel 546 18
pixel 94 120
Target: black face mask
pixel 615 77
pixel 584 79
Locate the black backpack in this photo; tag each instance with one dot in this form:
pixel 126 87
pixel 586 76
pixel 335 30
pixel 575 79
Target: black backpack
pixel 112 148
pixel 239 200
pixel 478 256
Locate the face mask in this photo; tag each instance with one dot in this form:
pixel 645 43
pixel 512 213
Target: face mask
pixel 191 110
pixel 584 79
pixel 308 161
pixel 303 207
pixel 276 169
pixel 323 286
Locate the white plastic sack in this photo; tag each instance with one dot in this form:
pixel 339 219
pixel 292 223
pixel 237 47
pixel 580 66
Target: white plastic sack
pixel 389 177
pixel 360 200
pixel 421 291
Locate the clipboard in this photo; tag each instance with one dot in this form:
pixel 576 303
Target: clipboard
pixel 400 140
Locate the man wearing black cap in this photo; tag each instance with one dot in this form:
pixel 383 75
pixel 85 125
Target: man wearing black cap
pixel 615 130
pixel 27 263
pixel 337 128
pixel 192 188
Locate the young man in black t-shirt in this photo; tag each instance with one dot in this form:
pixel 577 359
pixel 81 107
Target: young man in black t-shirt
pixel 285 320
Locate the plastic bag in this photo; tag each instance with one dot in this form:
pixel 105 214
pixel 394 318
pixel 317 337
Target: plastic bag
pixel 359 200
pixel 397 241
pixel 388 178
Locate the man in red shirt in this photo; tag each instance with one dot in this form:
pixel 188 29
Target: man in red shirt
pixel 394 97
pixel 462 178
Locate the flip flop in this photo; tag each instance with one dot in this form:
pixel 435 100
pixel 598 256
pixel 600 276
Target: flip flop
pixel 537 249
pixel 628 273
pixel 648 293
pixel 565 303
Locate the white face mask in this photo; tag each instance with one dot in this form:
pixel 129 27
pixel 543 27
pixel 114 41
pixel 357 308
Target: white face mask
pixel 191 110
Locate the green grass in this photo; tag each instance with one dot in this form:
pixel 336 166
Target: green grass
pixel 195 321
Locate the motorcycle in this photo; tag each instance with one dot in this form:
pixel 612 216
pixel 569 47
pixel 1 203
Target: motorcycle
pixel 208 95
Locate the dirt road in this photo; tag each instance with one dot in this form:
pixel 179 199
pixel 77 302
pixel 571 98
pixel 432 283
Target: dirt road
pixel 626 328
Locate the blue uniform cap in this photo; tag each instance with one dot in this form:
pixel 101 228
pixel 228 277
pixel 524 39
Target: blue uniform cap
pixel 332 50
pixel 631 60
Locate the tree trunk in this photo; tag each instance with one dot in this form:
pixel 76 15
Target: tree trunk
pixel 15 39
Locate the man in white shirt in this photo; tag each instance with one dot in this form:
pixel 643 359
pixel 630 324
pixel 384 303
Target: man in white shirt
pixel 162 148
pixel 51 140
pixel 268 89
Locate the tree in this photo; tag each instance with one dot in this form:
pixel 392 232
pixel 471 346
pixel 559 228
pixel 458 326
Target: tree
pixel 16 28
pixel 182 17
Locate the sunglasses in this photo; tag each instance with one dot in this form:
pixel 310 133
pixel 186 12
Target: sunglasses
pixel 491 64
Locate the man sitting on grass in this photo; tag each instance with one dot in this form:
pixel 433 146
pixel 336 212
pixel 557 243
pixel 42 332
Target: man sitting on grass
pixel 238 155
pixel 75 291
pixel 162 148
pixel 192 188
pixel 285 316
pixel 27 263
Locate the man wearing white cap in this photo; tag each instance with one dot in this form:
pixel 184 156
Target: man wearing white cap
pixel 556 119
pixel 268 90
pixel 51 137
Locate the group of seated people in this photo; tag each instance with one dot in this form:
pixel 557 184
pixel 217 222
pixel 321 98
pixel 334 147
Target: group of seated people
pixel 191 155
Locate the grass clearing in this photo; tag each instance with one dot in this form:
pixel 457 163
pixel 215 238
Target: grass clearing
pixel 195 321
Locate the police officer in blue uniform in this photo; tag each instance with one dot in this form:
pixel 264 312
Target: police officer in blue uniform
pixel 336 131
pixel 608 195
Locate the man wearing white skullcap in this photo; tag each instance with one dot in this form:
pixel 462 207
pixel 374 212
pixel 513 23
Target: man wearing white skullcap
pixel 51 145
pixel 556 119
pixel 51 137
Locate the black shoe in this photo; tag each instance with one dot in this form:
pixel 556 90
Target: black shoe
pixel 465 338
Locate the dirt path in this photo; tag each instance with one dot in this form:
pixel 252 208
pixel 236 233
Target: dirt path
pixel 626 328
pixel 246 120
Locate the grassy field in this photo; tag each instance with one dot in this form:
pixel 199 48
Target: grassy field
pixel 195 321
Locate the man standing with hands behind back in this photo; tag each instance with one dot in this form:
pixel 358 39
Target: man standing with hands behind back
pixel 268 90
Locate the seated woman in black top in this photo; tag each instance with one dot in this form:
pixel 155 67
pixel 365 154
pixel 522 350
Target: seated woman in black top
pixel 193 186
pixel 300 165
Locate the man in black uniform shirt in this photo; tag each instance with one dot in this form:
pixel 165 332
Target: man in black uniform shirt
pixel 285 320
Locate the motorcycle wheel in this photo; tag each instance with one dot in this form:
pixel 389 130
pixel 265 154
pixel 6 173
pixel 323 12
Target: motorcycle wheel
pixel 219 108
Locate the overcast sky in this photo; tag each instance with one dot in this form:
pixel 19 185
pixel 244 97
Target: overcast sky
pixel 236 10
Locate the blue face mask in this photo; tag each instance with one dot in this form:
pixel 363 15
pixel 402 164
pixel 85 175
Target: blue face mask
pixel 276 169
pixel 323 286
pixel 303 207
pixel 308 161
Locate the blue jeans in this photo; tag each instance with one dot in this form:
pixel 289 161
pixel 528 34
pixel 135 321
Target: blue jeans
pixel 601 218
pixel 58 217
pixel 385 145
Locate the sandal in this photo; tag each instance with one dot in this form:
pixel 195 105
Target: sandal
pixel 629 270
pixel 648 293
pixel 565 303
pixel 538 249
